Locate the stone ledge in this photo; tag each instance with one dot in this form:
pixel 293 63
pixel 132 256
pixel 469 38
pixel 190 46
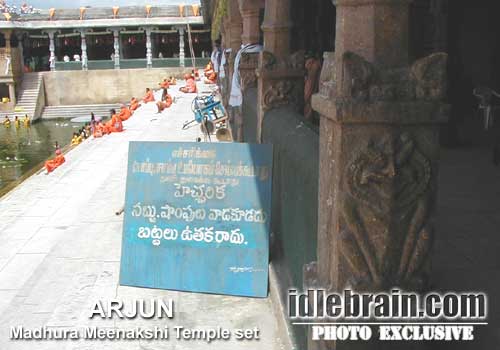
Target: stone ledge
pixel 404 112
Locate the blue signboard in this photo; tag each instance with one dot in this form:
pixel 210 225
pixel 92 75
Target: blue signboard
pixel 197 217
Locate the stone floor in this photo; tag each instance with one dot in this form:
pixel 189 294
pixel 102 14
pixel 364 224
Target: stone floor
pixel 467 255
pixel 60 249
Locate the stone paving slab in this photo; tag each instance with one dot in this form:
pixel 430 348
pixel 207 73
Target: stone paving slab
pixel 61 244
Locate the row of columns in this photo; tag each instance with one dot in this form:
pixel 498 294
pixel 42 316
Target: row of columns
pixel 116 46
pixel 379 146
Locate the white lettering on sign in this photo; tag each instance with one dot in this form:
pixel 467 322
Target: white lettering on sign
pixel 189 214
pixel 200 193
pixel 197 234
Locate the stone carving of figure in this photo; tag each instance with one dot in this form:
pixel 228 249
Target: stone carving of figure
pixel 311 85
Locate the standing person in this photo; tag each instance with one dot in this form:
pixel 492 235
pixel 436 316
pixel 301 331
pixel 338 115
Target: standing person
pixel 92 122
pixel 17 122
pixel 216 56
pixel 26 121
pixel 6 122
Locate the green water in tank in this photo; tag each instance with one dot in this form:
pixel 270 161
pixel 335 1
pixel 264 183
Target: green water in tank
pixel 22 149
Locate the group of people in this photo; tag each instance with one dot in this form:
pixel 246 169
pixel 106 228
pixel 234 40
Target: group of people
pixel 76 58
pixel 83 133
pixel 17 121
pixel 25 9
pixel 98 128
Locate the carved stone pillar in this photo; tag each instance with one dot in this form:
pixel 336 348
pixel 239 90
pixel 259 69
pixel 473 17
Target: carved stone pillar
pixel 149 52
pixel 12 93
pixel 280 83
pixel 281 75
pixel 181 47
pixel 378 155
pixel 116 46
pixel 235 29
pixel 248 65
pixel 85 59
pixel 276 27
pixel 250 10
pixel 8 54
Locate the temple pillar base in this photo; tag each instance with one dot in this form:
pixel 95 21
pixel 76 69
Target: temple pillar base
pixel 379 159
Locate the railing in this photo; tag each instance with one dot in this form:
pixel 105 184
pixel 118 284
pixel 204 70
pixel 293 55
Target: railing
pixel 100 64
pixel 68 65
pixel 130 63
pixel 133 63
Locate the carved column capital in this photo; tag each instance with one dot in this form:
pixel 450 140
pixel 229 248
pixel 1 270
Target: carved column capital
pixel 280 83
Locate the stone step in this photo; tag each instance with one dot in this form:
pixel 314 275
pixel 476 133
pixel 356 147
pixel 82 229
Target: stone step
pixel 56 112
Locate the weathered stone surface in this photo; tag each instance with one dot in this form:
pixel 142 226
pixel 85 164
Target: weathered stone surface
pixel 378 155
pixel 280 83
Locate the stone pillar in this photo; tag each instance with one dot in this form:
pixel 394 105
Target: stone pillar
pixel 235 27
pixel 149 52
pixel 379 160
pixel 7 35
pixel 276 27
pixel 181 47
pixel 12 93
pixel 280 75
pixel 8 52
pixel 52 49
pixel 249 10
pixel 116 46
pixel 20 46
pixel 84 50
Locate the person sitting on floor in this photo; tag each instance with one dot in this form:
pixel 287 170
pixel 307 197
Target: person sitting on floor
pixel 114 124
pixel 76 140
pixel 208 67
pixel 88 131
pixel 195 74
pixel 190 85
pixel 164 84
pixel 166 101
pixel 134 104
pixel 53 164
pixel 125 113
pixel 149 97
pixel 98 129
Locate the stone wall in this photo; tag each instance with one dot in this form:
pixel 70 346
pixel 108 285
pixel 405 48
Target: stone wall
pixel 103 86
pixel 295 192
